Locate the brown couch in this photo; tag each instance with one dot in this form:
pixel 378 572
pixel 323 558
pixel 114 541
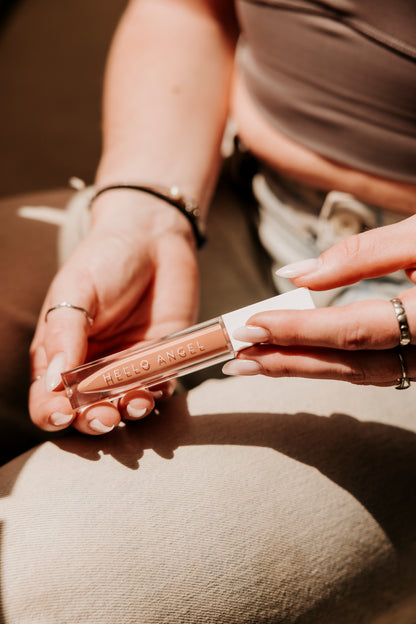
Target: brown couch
pixel 52 56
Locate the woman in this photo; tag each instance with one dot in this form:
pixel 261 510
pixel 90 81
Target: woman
pixel 248 500
pixel 322 97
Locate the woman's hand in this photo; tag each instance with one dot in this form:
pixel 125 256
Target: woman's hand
pixel 135 273
pixel 354 343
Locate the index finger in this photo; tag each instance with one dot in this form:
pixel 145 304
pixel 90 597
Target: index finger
pixel 367 255
pixel 370 324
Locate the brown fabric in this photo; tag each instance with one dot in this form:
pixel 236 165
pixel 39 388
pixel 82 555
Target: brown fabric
pixel 28 263
pixel 338 77
pixel 52 57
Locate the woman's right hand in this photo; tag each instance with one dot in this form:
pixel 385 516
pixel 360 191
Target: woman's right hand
pixel 355 343
pixel 136 275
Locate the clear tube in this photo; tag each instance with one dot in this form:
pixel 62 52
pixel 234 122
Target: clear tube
pixel 178 354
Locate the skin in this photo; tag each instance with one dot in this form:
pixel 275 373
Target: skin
pixel 136 272
pixel 165 109
pixel 354 343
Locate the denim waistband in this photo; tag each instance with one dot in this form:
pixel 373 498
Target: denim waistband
pixel 297 222
pixel 321 216
pixel 311 200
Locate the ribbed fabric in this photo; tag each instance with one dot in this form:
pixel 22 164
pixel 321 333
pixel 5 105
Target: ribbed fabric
pixel 339 77
pixel 251 501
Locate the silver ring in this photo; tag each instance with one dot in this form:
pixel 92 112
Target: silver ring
pixel 402 321
pixel 36 379
pixel 65 304
pixel 404 381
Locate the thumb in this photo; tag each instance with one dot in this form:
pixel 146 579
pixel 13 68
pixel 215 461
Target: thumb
pixel 66 323
pixel 371 254
pixel 65 341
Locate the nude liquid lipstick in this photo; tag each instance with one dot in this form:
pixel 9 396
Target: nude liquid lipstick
pixel 184 352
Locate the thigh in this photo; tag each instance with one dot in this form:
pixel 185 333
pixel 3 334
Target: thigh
pixel 247 500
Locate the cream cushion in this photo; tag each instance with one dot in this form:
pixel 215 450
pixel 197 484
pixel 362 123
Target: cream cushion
pixel 244 501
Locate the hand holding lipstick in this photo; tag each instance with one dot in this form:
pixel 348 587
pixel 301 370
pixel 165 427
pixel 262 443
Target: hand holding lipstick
pixel 135 275
pixel 357 342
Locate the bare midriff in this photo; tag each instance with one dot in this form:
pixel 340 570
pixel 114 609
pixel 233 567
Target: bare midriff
pixel 303 165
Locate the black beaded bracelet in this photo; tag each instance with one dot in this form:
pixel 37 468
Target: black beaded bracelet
pixel 188 207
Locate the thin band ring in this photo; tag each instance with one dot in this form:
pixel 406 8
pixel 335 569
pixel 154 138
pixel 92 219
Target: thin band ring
pixel 65 304
pixel 402 321
pixel 404 381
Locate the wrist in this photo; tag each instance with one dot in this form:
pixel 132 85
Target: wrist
pixel 138 214
pixel 171 196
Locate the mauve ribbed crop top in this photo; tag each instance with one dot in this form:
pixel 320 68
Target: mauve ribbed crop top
pixel 337 76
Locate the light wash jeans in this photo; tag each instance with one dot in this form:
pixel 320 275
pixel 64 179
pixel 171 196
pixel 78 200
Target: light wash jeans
pixel 296 222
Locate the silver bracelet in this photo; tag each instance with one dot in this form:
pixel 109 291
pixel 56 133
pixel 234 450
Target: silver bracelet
pixel 172 195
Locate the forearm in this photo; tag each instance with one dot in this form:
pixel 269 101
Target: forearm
pixel 166 95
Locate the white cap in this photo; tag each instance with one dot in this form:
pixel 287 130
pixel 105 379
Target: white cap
pixel 298 299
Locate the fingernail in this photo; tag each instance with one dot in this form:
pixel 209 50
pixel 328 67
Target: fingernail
pixel 167 390
pixel 99 427
pixel 296 269
pixel 58 420
pixel 251 333
pixel 54 370
pixel 135 411
pixel 241 367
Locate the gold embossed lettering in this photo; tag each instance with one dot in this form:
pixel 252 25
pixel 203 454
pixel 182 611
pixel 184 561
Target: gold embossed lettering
pixel 117 374
pixel 108 379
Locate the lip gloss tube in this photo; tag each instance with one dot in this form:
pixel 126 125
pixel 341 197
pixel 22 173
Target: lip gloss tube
pixel 184 352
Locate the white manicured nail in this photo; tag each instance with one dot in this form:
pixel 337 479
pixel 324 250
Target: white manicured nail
pixel 54 370
pixel 58 420
pixel 296 269
pixel 135 412
pixel 99 427
pixel 241 367
pixel 251 333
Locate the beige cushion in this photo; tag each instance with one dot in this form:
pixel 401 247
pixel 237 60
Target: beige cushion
pixel 248 500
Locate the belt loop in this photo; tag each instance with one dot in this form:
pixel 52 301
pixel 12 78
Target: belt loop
pixel 342 215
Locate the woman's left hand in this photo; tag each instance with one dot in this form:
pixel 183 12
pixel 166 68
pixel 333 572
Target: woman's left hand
pixel 356 342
